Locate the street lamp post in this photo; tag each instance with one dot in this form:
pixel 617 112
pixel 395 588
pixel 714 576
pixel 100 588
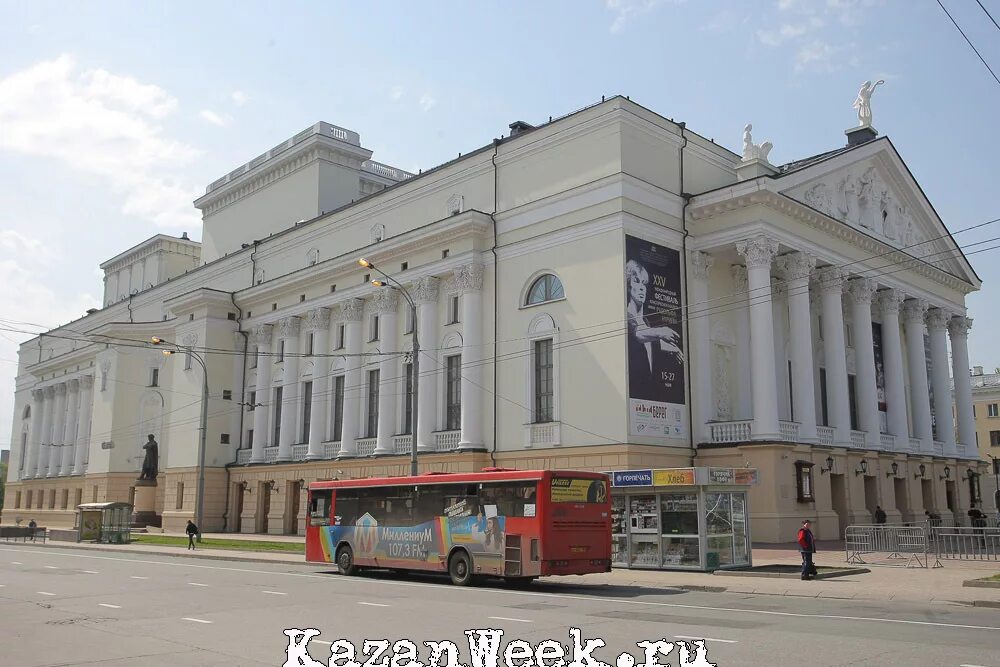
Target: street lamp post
pixel 200 499
pixel 414 407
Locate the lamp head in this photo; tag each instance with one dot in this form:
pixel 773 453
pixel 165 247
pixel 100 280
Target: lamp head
pixel 156 340
pixel 378 283
pixel 167 353
pixel 365 263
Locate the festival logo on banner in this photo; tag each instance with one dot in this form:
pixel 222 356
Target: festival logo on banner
pixel 655 342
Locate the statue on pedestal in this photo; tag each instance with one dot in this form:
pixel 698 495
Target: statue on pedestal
pixel 863 103
pixel 752 151
pixel 150 464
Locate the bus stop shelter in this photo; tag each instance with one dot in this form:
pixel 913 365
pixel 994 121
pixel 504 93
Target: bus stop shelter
pixel 109 523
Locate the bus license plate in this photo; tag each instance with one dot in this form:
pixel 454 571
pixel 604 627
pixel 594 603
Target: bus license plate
pixel 578 550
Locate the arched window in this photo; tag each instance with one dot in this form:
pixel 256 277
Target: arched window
pixel 545 288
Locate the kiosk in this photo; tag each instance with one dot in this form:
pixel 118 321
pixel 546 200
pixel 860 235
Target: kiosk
pixel 681 518
pixel 109 523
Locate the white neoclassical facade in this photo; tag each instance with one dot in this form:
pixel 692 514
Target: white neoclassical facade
pixel 607 291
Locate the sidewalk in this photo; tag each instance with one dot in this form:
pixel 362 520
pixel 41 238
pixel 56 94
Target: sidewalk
pixel 882 583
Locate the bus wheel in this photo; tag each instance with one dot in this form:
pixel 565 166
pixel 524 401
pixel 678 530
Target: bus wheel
pixel 460 569
pixel 345 561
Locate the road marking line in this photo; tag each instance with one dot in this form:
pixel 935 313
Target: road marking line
pixel 320 641
pixel 44 593
pixel 51 567
pixel 708 639
pixel 134 577
pixel 374 604
pixel 16 562
pixel 91 572
pixel 195 620
pixel 191 583
pixel 109 606
pixel 970 666
pixel 489 591
pixel 274 592
pixel 507 618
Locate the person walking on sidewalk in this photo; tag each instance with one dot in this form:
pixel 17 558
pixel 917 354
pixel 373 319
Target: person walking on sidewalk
pixel 879 514
pixel 191 530
pixel 807 547
pixel 32 526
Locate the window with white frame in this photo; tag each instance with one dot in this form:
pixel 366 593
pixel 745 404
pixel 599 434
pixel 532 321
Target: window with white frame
pixel 542 362
pixel 542 373
pixel 372 412
pixel 991 410
pixel 373 328
pixel 453 306
pixel 154 377
pixel 453 392
pixel 546 287
pixel 307 392
pixel 281 350
pixel 340 337
pixel 309 343
pixel 408 321
pixel 277 415
pixel 338 408
pixel 256 357
pixel 187 361
pixel 408 398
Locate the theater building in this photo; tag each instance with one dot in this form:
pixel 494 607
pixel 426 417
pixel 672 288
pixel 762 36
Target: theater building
pixel 607 291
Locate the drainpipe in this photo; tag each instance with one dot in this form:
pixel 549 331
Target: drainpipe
pixel 496 301
pixel 243 392
pixel 686 311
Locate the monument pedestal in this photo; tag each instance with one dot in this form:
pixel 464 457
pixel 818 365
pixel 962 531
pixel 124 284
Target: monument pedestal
pixel 144 513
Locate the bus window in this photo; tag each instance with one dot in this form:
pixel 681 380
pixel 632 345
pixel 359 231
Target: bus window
pixel 511 499
pixel 319 508
pixel 428 504
pixel 347 508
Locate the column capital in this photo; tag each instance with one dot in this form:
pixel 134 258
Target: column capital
pixel 87 382
pixel 796 265
pixel 468 278
pixel 289 326
pixel 37 395
pixel 889 301
pixel 831 279
pixel 778 289
pixel 914 310
pixel 739 274
pixel 701 263
pixel 73 386
pixel 318 319
pixel 937 320
pixel 352 310
pixel 50 391
pixel 426 289
pixel 61 389
pixel 386 300
pixel 262 334
pixel 758 251
pixel 959 325
pixel 861 290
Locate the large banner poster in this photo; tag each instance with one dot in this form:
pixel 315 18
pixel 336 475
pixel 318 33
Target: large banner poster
pixel 655 343
pixel 880 375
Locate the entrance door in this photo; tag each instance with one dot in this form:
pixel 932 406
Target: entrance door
pixel 236 508
pixel 263 507
pixel 838 497
pixel 291 518
pixel 927 493
pixel 644 531
pixel 871 494
pixel 949 494
pixel 902 498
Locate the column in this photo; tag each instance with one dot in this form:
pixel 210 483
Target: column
pixel 758 253
pixel 45 442
pixel 83 427
pixel 920 406
pixel 69 434
pixel 700 340
pixel 318 323
pixel 937 326
pixel 469 279
pixel 958 329
pixel 796 269
pixel 861 291
pixel 262 339
pixel 35 439
pixel 425 292
pixel 288 331
pixel 831 286
pixel 895 389
pixel 58 431
pixel 351 312
pixel 744 408
pixel 385 306
pixel 779 320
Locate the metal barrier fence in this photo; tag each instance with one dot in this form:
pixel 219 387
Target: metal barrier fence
pixel 23 534
pixel 898 545
pixel 964 543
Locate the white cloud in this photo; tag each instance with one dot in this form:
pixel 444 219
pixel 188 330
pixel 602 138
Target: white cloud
pixel 214 118
pixel 396 93
pixel 817 55
pixel 16 243
pixel 626 10
pixel 426 102
pixel 102 124
pixel 240 98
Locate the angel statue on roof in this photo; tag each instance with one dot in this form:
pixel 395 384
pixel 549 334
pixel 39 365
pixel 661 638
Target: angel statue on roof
pixel 863 103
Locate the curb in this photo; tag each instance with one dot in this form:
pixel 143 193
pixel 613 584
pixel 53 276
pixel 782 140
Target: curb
pixel 205 556
pixel 792 575
pixel 986 603
pixel 980 583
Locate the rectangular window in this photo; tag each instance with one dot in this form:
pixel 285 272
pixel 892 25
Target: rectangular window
pixel 340 337
pixel 64 499
pixel 281 350
pixel 373 328
pixel 307 392
pixel 77 497
pixel 154 380
pixel 849 335
pixel 338 407
pixel 17 500
pixel 991 410
pixel 277 415
pixel 227 395
pixel 256 357
pixel 822 397
pixel 224 438
pixel 179 503
pixel 408 401
pixel 187 361
pixel 408 322
pixel 104 387
pixel 453 310
pixel 995 439
pixel 249 438
pixel 819 326
pixel 453 392
pixel 852 401
pixel 804 481
pixel 253 401
pixel 309 343
pixel 372 429
pixel 543 381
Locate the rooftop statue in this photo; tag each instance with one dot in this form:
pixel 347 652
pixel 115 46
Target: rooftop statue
pixel 864 102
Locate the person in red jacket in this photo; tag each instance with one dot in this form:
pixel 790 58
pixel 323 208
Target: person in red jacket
pixel 807 547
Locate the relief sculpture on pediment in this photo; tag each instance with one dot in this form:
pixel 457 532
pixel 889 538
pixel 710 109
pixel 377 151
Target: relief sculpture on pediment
pixel 818 196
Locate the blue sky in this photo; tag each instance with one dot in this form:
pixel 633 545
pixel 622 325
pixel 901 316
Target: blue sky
pixel 115 115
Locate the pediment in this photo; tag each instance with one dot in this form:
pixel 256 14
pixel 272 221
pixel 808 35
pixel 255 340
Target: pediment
pixel 875 193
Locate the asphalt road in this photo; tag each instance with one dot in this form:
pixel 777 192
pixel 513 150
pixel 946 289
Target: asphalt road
pixel 66 607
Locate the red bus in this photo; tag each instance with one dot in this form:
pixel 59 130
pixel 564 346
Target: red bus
pixel 514 524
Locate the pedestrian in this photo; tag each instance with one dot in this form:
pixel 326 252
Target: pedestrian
pixel 879 514
pixel 191 530
pixel 32 526
pixel 807 547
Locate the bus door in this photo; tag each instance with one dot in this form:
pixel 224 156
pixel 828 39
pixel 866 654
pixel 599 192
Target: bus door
pixel 511 512
pixel 320 516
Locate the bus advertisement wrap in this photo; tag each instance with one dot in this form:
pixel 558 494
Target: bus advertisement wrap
pixel 569 490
